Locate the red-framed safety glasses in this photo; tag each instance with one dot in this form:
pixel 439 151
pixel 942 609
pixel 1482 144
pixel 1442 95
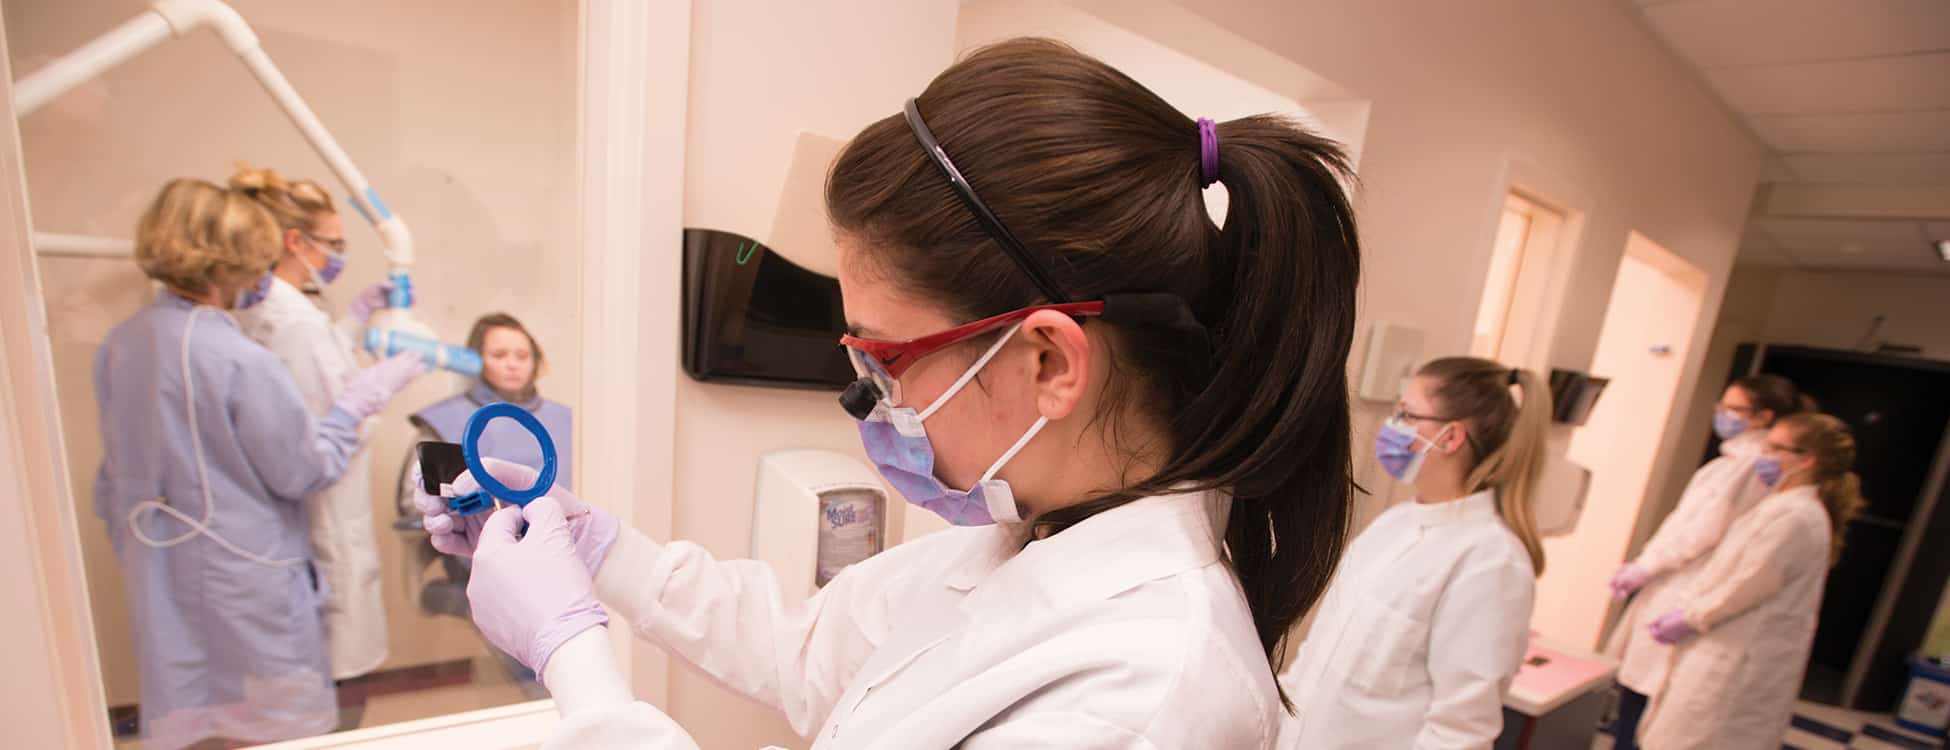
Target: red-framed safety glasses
pixel 883 362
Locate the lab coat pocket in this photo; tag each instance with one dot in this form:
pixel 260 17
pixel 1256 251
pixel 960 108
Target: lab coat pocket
pixel 1382 651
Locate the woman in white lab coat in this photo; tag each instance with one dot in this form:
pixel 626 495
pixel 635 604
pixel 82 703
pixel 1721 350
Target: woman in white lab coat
pixel 320 356
pixel 1734 645
pixel 1719 493
pixel 1429 617
pixel 1137 420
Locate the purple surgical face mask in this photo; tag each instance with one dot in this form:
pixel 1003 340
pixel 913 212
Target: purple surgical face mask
pixel 1395 447
pixel 898 445
pixel 250 297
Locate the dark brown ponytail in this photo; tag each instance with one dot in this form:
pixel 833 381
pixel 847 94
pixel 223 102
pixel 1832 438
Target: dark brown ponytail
pixel 1100 179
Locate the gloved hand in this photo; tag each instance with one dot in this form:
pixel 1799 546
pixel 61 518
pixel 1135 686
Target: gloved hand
pixel 1630 578
pixel 530 595
pixel 592 529
pixel 369 301
pixel 368 390
pixel 1671 628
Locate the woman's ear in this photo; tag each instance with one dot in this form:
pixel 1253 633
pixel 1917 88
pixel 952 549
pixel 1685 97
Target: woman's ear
pixel 1764 417
pixel 1456 438
pixel 1063 360
pixel 293 241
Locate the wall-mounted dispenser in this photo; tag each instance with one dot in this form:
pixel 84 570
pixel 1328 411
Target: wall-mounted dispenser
pixel 1574 394
pixel 1393 352
pixel 815 512
pixel 755 318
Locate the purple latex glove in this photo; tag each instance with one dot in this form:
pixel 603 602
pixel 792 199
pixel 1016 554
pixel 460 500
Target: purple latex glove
pixel 530 595
pixel 1672 627
pixel 1630 578
pixel 369 301
pixel 592 529
pixel 368 390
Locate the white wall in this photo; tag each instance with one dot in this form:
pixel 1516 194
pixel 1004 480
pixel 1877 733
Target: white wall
pixel 469 134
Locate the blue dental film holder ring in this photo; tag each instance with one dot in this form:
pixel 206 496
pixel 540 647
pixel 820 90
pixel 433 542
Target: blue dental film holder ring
pixel 470 446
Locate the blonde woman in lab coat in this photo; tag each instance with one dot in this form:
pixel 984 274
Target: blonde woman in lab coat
pixel 320 355
pixel 1719 493
pixel 1062 355
pixel 1735 644
pixel 1429 617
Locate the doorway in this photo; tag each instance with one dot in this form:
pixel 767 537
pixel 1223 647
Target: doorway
pixel 1648 330
pixel 1509 317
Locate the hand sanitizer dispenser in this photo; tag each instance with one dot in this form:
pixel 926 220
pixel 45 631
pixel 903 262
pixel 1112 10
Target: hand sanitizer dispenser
pixel 815 513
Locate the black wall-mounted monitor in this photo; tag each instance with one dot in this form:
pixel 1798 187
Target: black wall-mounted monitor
pixel 752 317
pixel 1574 394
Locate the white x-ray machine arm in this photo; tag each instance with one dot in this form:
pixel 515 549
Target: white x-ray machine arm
pixel 174 18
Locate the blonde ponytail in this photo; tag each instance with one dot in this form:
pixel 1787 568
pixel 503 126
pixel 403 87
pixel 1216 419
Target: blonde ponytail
pixel 1507 435
pixel 1832 445
pixel 295 204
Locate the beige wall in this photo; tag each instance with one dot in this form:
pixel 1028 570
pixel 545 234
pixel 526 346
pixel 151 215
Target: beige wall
pixel 469 134
pixel 1655 303
pixel 761 74
pixel 1833 309
pixel 1573 101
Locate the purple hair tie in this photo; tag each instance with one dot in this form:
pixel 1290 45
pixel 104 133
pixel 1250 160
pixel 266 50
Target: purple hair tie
pixel 1208 152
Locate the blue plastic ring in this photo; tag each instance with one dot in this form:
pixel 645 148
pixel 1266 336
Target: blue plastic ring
pixel 470 448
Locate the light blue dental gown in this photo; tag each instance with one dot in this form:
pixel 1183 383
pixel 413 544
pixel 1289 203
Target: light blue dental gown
pixel 226 646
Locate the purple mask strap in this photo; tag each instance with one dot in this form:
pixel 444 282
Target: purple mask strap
pixel 1208 152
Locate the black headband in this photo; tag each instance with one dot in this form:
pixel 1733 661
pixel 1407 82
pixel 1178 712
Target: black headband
pixel 1010 245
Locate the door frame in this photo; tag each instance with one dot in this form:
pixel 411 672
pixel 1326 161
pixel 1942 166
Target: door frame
pixel 633 63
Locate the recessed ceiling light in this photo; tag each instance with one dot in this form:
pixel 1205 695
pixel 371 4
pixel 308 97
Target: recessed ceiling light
pixel 1943 250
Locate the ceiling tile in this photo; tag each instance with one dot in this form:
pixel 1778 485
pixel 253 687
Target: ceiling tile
pixel 1897 132
pixel 1883 84
pixel 1870 169
pixel 1717 33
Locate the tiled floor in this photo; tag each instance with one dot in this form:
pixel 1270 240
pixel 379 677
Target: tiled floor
pixel 1819 727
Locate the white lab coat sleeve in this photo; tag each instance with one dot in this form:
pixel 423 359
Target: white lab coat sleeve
pixel 730 620
pixel 1056 729
pixel 1713 499
pixel 353 332
pixel 594 702
pixel 1766 563
pixel 1477 639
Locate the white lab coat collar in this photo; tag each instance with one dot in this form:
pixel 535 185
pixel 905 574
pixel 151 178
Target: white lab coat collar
pixel 283 301
pixel 1744 445
pixel 1472 507
pixel 1104 555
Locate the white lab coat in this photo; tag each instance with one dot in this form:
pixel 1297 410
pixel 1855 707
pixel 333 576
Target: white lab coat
pixel 1755 603
pixel 1420 635
pixel 1719 493
pixel 340 517
pixel 1127 630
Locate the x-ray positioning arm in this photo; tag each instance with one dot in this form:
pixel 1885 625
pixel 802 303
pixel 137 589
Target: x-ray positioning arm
pixel 172 18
